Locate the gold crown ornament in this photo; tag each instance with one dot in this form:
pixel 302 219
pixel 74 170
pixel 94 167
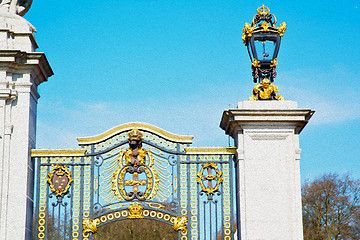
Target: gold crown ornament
pixel 134 134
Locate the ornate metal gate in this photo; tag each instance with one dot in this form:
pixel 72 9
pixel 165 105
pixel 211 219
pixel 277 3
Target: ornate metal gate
pixel 135 170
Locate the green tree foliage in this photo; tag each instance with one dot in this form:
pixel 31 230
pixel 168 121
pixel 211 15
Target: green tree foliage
pixel 136 229
pixel 331 208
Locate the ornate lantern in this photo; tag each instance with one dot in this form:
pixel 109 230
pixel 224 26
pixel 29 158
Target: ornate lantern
pixel 262 39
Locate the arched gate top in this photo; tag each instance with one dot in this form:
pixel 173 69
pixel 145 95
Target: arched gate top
pixel 129 126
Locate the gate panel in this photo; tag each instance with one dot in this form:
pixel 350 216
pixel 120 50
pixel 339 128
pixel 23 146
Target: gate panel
pixel 134 171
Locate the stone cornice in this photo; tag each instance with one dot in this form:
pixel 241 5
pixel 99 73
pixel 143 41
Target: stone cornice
pixel 21 62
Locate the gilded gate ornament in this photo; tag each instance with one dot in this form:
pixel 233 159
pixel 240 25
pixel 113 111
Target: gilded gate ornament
pixel 90 225
pixel 135 170
pixel 201 177
pixel 59 180
pixel 135 210
pixel 180 224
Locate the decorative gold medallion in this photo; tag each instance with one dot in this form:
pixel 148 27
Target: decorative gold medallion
pixel 180 223
pixel 135 210
pixel 59 180
pixel 90 225
pixel 210 167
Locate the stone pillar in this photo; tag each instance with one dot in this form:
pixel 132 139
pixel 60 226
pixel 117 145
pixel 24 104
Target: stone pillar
pixel 21 71
pixel 266 134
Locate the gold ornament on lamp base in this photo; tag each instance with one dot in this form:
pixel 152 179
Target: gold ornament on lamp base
pixel 265 90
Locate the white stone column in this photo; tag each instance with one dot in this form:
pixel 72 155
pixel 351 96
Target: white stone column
pixel 21 71
pixel 266 134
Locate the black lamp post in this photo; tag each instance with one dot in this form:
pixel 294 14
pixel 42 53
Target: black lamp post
pixel 262 39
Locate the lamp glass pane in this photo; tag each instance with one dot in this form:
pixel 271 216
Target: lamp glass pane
pixel 265 49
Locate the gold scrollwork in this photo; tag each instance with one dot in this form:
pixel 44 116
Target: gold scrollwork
pixel 135 210
pixel 201 177
pixel 60 180
pixel 155 205
pixel 180 223
pixel 90 225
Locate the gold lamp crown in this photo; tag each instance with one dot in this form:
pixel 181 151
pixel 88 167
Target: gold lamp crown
pixel 263 21
pixel 263 10
pixel 134 134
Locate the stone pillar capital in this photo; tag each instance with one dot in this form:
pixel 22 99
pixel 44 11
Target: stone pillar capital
pixel 268 114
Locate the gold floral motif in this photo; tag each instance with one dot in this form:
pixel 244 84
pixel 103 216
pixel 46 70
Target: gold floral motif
pixel 180 223
pixel 60 180
pixel 274 63
pixel 90 225
pixel 247 33
pixel 201 177
pixel 255 64
pixel 140 158
pixel 265 26
pixel 133 182
pixel 135 210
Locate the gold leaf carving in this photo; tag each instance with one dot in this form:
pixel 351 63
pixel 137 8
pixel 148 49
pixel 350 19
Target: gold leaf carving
pixel 180 223
pixel 90 225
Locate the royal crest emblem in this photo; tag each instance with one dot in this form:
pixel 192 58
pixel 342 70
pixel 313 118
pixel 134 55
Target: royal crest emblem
pixel 59 180
pixel 136 177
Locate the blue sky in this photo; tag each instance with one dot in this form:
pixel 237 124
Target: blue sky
pixel 179 64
